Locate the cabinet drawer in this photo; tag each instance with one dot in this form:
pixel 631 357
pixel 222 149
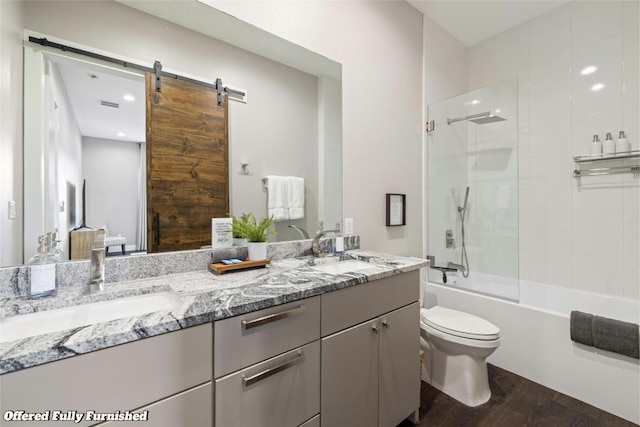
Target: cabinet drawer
pixel 124 377
pixel 350 306
pixel 191 408
pixel 244 340
pixel 280 392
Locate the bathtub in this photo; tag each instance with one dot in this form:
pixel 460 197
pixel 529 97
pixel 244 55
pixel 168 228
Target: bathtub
pixel 535 340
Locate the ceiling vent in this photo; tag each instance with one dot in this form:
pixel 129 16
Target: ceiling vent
pixel 109 104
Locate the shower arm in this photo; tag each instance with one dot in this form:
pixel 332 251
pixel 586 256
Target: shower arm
pixel 472 116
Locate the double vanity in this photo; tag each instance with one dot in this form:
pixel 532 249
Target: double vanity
pixel 303 342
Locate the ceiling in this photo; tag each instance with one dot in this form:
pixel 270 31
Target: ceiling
pixel 87 86
pixel 473 21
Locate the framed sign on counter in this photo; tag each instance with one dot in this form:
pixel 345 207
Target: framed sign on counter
pixel 396 209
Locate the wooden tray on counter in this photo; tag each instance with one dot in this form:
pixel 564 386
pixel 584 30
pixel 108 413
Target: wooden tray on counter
pixel 220 268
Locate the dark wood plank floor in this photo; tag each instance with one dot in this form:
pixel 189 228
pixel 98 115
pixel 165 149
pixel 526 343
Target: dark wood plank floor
pixel 515 401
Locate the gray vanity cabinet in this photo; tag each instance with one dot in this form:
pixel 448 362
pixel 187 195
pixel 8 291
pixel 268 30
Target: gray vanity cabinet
pixel 168 373
pixel 267 366
pixel 370 369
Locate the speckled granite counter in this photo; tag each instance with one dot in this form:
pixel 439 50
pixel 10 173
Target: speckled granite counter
pixel 203 297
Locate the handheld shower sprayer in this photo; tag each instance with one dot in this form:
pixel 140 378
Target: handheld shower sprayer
pixel 466 198
pixel 464 261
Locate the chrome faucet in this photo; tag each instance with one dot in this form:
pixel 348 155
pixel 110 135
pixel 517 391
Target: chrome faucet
pixel 300 230
pixel 315 245
pixel 98 254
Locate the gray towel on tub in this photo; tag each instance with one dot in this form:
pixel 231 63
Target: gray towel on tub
pixel 580 327
pixel 617 336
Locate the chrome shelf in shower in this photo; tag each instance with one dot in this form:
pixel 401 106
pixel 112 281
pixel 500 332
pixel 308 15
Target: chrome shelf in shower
pixel 605 164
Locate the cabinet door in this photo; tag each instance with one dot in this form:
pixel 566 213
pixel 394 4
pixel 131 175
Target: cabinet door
pixel 399 364
pixel 350 377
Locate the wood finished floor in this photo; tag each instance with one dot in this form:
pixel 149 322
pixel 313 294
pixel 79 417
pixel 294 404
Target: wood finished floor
pixel 515 401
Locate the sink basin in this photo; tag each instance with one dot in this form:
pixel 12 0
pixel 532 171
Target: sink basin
pixel 349 266
pixel 44 322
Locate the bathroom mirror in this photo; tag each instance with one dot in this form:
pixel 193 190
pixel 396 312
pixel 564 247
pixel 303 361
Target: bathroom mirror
pixel 289 123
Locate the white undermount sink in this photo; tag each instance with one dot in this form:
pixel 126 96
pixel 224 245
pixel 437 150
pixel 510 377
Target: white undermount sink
pixel 44 322
pixel 341 267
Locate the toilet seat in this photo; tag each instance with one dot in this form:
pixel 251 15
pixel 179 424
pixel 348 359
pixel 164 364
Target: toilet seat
pixel 459 324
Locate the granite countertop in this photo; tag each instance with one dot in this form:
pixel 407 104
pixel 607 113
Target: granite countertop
pixel 202 297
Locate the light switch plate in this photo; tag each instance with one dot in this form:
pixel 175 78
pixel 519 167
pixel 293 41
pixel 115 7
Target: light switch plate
pixel 348 226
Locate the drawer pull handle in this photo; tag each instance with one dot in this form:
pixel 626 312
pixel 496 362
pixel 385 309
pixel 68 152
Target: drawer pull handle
pixel 248 324
pixel 272 371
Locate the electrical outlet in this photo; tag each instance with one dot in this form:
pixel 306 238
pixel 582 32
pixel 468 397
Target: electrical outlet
pixel 12 209
pixel 348 226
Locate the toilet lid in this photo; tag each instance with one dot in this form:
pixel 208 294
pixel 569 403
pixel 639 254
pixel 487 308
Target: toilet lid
pixel 459 324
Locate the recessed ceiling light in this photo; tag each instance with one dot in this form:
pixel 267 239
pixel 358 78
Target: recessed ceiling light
pixel 596 87
pixel 121 134
pixel 475 102
pixel 588 70
pixel 129 98
pixel 498 110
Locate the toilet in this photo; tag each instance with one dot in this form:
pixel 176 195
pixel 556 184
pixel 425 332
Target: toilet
pixel 456 346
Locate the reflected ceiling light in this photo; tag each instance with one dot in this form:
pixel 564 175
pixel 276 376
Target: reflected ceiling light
pixel 474 102
pixel 129 98
pixel 588 70
pixel 121 134
pixel 498 110
pixel 596 87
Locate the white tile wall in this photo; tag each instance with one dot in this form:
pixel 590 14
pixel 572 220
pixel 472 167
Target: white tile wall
pixel 582 233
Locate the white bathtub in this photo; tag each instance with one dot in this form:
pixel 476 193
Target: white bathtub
pixel 535 340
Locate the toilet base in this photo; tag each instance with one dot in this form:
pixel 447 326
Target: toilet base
pixel 459 376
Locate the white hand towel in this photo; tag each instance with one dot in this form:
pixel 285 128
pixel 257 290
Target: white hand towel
pixel 296 197
pixel 277 197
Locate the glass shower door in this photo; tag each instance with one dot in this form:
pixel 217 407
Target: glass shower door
pixel 472 191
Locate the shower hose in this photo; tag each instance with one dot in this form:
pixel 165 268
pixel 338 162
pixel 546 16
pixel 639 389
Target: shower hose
pixel 464 260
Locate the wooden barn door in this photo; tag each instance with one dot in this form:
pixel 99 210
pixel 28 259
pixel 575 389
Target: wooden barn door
pixel 187 164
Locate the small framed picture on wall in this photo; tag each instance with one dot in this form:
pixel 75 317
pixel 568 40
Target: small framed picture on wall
pixel 396 209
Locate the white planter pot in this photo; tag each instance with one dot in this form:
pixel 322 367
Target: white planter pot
pixel 257 251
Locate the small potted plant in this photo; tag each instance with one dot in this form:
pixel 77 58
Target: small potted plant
pixel 237 229
pixel 256 234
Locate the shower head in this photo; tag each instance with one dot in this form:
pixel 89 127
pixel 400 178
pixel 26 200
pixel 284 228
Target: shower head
pixel 480 118
pixel 489 119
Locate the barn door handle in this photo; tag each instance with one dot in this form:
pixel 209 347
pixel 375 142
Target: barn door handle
pixel 156 223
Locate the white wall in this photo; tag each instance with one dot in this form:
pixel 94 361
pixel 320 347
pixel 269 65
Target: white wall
pixel 11 23
pixel 581 233
pixel 379 44
pixel 276 131
pixel 65 160
pixel 112 172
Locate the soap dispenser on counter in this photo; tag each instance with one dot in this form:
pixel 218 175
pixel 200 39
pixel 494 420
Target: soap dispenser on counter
pixel 42 269
pixel 54 249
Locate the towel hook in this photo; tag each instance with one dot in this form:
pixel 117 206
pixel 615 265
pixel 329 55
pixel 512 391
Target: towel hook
pixel 244 169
